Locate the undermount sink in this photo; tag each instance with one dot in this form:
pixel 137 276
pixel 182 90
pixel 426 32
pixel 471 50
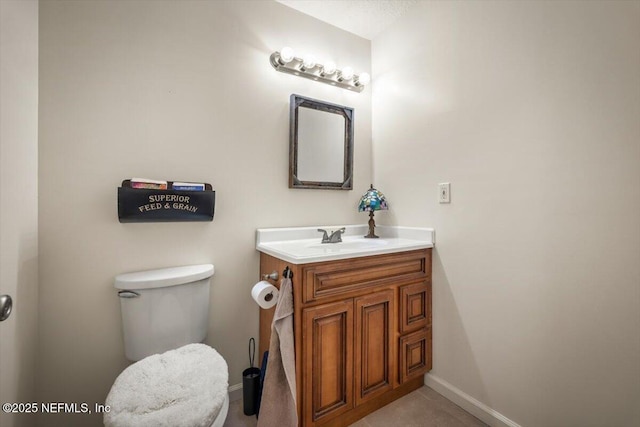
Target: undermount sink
pixel 301 245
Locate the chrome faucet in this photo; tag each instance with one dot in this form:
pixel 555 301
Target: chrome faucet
pixel 335 237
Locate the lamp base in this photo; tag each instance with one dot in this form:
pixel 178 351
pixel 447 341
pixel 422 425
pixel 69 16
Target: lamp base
pixel 372 225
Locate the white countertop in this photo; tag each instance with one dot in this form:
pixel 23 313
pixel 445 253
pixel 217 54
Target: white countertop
pixel 302 245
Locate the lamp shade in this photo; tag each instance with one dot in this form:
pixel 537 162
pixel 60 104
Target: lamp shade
pixel 372 200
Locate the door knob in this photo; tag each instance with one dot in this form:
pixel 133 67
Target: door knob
pixel 5 307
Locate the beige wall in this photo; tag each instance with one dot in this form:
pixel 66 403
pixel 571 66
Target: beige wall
pixel 532 111
pixel 18 203
pixel 170 90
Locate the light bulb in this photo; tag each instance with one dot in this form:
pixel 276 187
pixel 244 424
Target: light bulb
pixel 286 54
pixel 309 61
pixel 364 78
pixel 347 73
pixel 329 68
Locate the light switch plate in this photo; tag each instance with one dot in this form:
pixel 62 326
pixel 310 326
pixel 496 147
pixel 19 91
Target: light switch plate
pixel 444 192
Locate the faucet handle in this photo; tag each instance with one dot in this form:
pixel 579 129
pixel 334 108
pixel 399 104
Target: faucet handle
pixel 325 237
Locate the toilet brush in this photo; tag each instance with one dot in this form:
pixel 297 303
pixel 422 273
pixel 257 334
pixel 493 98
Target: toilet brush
pixel 250 383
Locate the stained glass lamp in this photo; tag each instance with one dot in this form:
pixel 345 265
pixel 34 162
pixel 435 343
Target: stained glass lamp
pixel 372 200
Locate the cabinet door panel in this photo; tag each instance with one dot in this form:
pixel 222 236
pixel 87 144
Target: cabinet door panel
pixel 415 354
pixel 415 307
pixel 374 332
pixel 328 350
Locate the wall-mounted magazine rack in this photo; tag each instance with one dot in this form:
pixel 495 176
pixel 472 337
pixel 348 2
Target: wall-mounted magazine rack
pixel 151 205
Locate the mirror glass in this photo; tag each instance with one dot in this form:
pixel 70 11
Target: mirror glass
pixel 323 135
pixel 321 145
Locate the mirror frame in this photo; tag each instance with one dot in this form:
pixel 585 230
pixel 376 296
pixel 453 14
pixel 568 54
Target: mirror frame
pixel 297 101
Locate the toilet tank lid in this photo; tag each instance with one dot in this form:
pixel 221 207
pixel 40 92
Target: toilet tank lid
pixel 163 277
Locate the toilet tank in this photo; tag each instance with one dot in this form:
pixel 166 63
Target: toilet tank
pixel 164 309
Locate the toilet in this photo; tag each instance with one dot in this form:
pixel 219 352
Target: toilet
pixel 176 381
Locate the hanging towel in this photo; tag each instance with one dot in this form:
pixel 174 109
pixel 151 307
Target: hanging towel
pixel 278 405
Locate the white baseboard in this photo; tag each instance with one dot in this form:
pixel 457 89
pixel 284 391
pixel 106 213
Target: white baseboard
pixel 235 392
pixel 468 403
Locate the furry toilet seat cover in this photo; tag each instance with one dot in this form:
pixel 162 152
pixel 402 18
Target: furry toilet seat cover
pixel 185 387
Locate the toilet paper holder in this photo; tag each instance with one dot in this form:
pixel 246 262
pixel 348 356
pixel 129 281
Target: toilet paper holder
pixel 273 275
pixel 287 273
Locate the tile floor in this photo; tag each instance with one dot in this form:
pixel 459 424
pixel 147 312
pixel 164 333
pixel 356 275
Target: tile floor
pixel 422 408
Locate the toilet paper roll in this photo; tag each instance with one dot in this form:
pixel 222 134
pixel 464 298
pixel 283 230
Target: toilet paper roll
pixel 265 294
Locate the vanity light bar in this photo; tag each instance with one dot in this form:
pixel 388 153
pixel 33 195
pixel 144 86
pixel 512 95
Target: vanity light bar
pixel 306 67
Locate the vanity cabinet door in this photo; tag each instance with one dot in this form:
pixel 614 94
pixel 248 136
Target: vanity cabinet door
pixel 415 307
pixel 415 354
pixel 327 340
pixel 374 349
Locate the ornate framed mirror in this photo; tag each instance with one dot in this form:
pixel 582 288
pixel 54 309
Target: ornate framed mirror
pixel 320 145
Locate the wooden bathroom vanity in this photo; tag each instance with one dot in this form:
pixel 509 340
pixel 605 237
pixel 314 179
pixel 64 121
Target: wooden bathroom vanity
pixel 362 329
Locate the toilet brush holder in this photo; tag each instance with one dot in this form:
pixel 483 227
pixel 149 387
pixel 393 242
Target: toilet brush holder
pixel 250 383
